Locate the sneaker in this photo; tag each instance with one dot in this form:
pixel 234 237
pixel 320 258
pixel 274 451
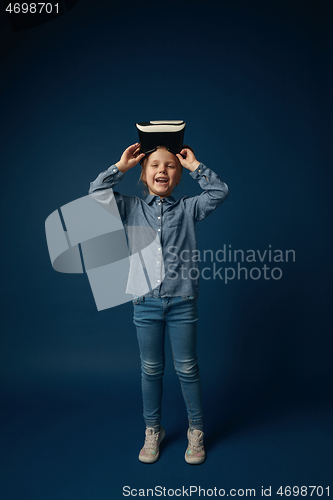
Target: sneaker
pixel 195 453
pixel 150 451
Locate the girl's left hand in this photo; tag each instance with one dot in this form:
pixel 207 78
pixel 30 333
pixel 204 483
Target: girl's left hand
pixel 190 162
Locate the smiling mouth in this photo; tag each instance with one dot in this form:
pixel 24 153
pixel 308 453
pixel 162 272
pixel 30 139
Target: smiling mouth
pixel 162 181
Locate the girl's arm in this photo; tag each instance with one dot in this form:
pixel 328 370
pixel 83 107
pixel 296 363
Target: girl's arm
pixel 114 174
pixel 215 190
pixel 107 179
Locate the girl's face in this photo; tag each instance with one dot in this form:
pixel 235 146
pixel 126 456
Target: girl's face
pixel 162 172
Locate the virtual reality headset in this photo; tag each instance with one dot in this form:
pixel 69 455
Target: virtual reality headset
pixel 168 133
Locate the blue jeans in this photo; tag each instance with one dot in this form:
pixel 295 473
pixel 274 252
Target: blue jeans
pixel 178 315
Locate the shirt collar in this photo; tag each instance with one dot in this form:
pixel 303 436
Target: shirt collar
pixel 153 198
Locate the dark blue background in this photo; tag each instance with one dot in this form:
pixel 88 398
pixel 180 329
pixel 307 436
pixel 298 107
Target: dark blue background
pixel 251 80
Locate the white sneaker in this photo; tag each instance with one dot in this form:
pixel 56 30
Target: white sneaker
pixel 195 453
pixel 150 451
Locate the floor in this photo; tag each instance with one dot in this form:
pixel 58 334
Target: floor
pixel 66 446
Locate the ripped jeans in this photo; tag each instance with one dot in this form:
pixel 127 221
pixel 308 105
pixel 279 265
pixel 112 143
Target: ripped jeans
pixel 178 315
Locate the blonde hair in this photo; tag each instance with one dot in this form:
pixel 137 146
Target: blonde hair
pixel 144 163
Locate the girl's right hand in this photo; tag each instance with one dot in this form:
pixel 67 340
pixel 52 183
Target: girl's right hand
pixel 130 158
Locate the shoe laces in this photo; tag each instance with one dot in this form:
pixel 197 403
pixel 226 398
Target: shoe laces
pixel 195 440
pixel 151 438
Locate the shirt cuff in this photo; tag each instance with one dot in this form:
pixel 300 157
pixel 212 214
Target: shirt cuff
pixel 113 173
pixel 198 172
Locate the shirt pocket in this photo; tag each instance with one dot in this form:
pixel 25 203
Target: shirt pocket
pixel 172 220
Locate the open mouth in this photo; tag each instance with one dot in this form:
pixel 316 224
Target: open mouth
pixel 162 181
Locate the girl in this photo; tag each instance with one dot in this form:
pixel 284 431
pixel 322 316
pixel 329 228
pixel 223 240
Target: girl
pixel 172 305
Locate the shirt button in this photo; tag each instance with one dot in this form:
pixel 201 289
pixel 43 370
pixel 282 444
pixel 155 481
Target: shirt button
pixel 159 249
pixel 158 262
pixel 158 230
pixel 158 281
pixel 159 203
pixel 158 217
pixel 115 170
pixel 199 170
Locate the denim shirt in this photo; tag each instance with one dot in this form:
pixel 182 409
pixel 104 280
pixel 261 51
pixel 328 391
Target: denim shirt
pixel 174 222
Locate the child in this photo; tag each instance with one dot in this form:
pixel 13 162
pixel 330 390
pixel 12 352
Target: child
pixel 172 305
